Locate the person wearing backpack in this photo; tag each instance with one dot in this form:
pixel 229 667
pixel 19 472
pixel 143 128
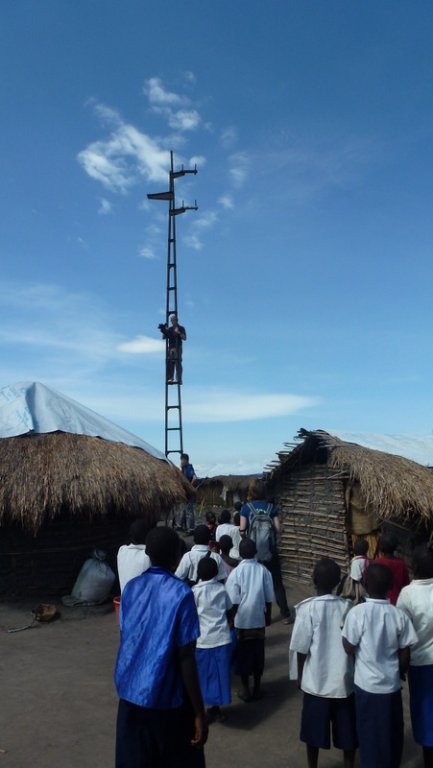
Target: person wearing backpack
pixel 260 522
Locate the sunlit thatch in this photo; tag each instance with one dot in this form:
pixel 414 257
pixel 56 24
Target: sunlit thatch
pixel 43 476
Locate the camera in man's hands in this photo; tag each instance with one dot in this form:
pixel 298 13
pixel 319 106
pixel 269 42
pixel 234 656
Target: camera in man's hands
pixel 162 327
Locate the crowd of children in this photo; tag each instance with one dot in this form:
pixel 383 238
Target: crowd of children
pixel 349 656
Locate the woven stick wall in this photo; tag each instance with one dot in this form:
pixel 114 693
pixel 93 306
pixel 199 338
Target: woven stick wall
pixel 312 509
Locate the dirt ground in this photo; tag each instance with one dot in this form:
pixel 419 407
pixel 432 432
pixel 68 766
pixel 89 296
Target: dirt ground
pixel 58 702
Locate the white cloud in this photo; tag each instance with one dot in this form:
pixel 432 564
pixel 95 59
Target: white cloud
pixel 184 119
pixel 158 95
pixel 228 137
pixel 239 168
pixel 107 114
pixel 190 77
pixel 142 345
pixel 206 220
pixel 231 405
pixel 120 160
pixel 197 160
pixel 226 201
pixel 148 253
pixel 193 238
pixel 105 206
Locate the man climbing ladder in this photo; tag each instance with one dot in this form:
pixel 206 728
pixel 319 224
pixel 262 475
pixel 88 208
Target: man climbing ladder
pixel 175 335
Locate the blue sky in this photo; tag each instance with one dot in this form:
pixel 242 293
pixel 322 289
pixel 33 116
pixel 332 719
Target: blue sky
pixel 305 277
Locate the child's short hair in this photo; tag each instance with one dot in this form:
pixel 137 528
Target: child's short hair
pixel 422 561
pixel 238 506
pixel 224 517
pixel 202 535
pixel 138 531
pixel 378 580
pixel 163 547
pixel 207 569
pixel 210 517
pixel 247 549
pixel 326 574
pixel 237 519
pixel 361 547
pixel 388 543
pixel 226 544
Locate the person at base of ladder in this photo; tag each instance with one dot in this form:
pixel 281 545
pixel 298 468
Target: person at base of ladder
pixel 175 334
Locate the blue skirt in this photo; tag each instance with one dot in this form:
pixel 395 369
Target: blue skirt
pixel 421 704
pixel 213 666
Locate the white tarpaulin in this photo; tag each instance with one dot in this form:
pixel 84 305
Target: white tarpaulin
pixel 33 407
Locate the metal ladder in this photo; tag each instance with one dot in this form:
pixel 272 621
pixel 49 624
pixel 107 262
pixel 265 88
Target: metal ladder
pixel 173 396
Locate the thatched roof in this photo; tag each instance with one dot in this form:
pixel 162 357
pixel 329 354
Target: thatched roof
pixel 234 483
pixel 43 476
pixel 391 485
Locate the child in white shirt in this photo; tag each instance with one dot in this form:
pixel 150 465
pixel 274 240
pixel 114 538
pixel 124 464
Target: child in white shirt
pixel 325 672
pixel 416 600
pixel 251 591
pixel 379 635
pixel 214 648
pixel 132 559
pixel 187 568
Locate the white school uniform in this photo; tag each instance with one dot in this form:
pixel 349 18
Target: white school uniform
pixel 132 561
pixel 358 567
pixel 212 603
pixel 328 670
pixel 378 630
pixel 250 587
pixel 416 600
pixel 187 568
pixel 228 529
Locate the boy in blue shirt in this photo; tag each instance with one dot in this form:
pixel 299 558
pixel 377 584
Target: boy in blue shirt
pixel 161 718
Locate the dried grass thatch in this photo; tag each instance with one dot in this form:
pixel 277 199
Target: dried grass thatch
pixel 233 483
pixel 45 476
pixel 392 486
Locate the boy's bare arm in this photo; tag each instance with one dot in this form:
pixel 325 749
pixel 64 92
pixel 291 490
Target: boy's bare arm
pixel 188 673
pixel 348 647
pixel 301 661
pixel 403 661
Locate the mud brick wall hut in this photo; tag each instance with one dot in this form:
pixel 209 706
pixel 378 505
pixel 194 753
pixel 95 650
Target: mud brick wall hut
pixel 64 493
pixel 330 492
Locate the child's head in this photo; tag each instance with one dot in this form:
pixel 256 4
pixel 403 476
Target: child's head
pixel 138 531
pixel 378 580
pixel 202 535
pixel 326 574
pixel 226 544
pixel 247 549
pixel 238 506
pixel 207 569
pixel 163 548
pixel 388 544
pixel 237 519
pixel 224 517
pixel 210 518
pixel 360 547
pixel 422 561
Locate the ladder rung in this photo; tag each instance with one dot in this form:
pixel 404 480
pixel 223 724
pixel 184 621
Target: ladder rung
pixel 173 429
pixel 170 407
